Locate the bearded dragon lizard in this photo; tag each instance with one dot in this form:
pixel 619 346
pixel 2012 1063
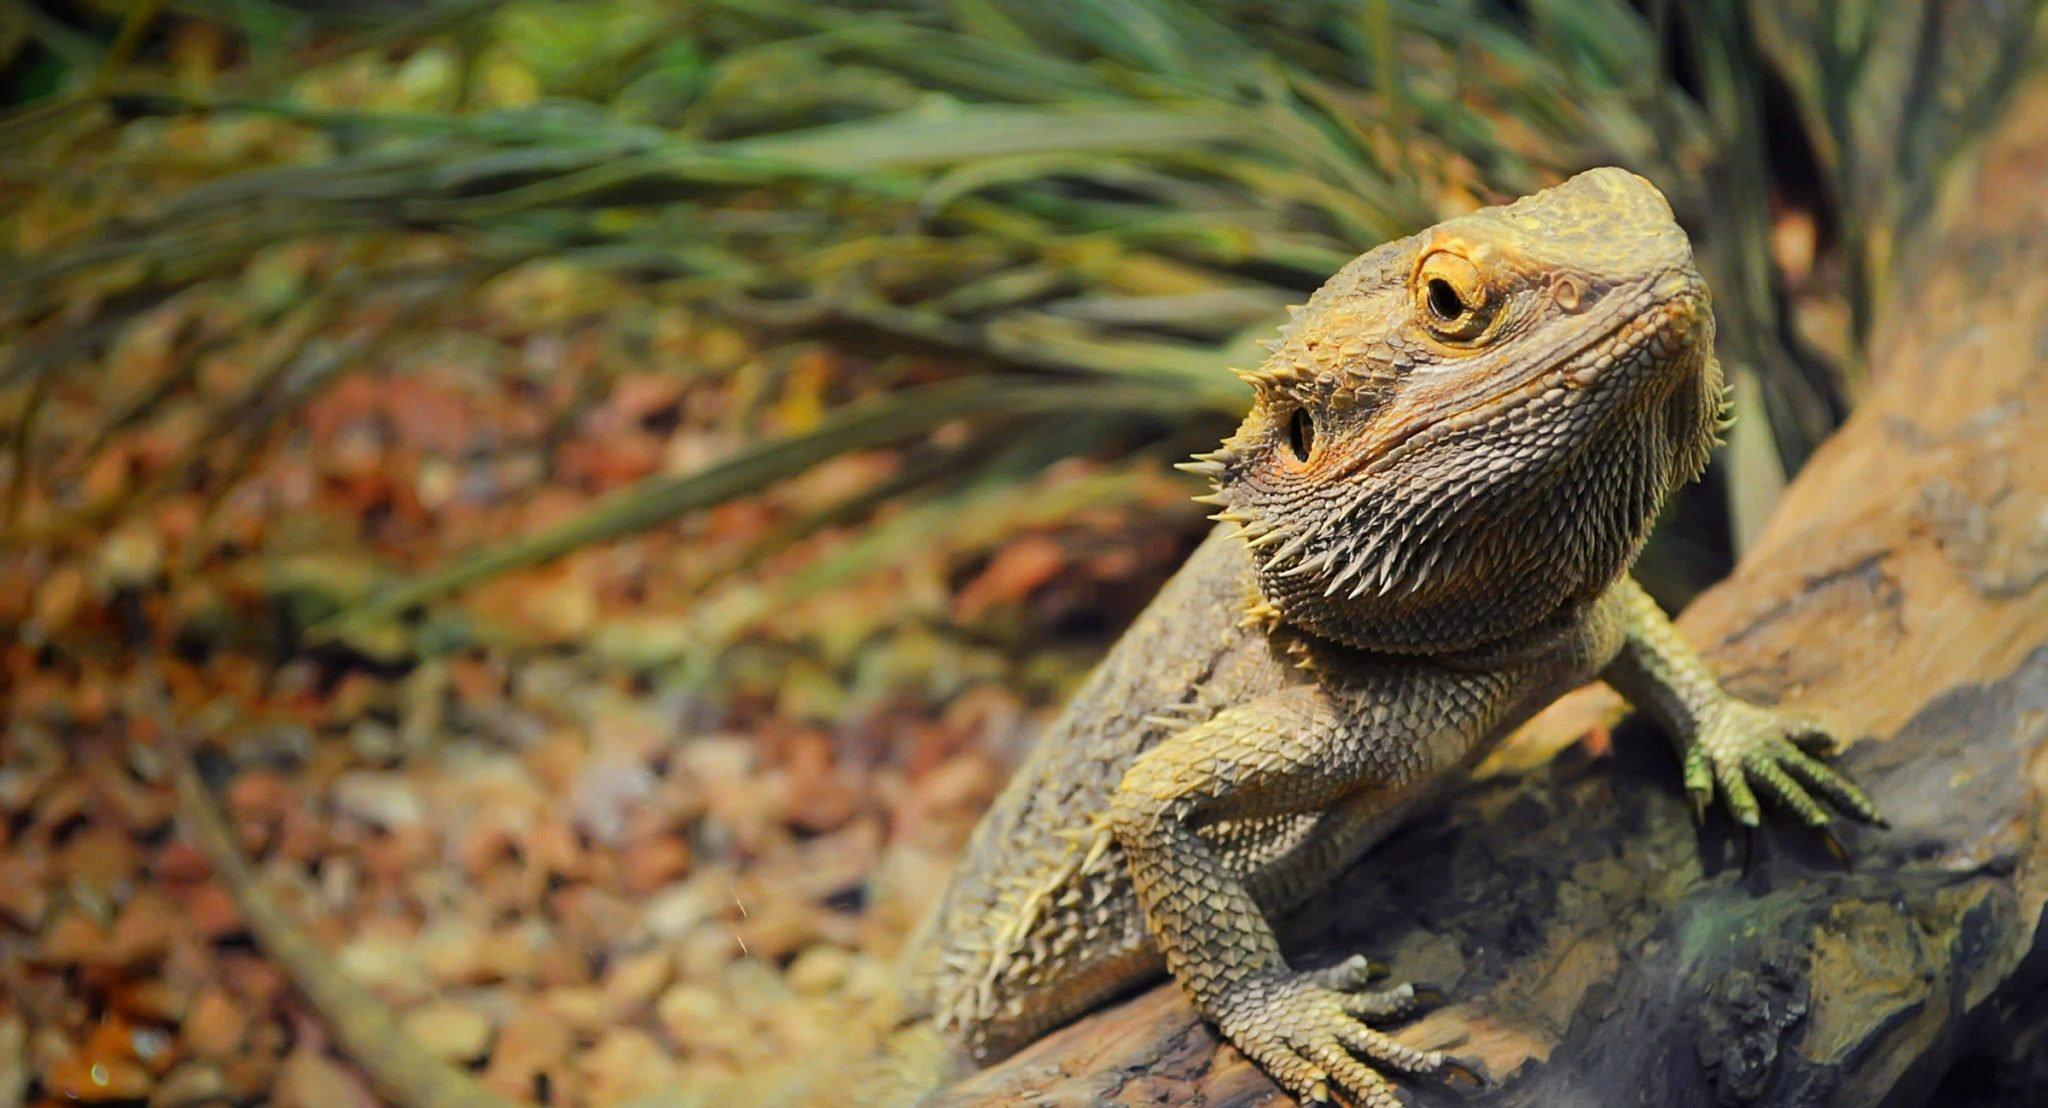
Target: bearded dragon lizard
pixel 1455 451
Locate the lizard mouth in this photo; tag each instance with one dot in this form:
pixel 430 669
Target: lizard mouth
pixel 1609 359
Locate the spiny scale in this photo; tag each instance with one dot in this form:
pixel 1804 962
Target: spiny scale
pixel 1508 519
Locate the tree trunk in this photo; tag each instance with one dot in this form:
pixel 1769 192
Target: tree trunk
pixel 1594 947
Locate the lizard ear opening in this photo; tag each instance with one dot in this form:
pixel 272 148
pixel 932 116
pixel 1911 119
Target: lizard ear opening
pixel 1301 435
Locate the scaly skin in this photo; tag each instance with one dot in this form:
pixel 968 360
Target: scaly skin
pixel 1455 452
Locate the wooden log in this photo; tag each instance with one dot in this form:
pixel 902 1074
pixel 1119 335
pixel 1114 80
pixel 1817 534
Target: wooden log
pixel 1593 946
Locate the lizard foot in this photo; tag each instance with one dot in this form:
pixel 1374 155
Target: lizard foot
pixel 1743 749
pixel 1352 975
pixel 1308 1032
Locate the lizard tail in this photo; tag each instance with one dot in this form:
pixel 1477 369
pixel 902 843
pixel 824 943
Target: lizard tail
pixel 908 1070
pixel 915 1064
pixel 909 1066
pixel 368 1035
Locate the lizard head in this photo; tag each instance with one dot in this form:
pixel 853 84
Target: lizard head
pixel 1466 432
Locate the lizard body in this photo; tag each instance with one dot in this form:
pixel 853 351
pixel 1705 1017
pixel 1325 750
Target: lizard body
pixel 1455 450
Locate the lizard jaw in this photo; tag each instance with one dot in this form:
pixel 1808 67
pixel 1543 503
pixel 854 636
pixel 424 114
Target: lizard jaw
pixel 1405 536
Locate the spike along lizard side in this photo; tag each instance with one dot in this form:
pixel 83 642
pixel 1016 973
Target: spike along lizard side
pixel 1455 451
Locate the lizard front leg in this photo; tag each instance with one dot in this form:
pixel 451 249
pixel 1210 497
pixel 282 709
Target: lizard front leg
pixel 1726 744
pixel 1240 800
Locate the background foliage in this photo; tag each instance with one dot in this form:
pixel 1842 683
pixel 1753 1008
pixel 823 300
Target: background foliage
pixel 644 468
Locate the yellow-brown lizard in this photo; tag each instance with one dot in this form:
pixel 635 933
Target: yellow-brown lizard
pixel 1454 453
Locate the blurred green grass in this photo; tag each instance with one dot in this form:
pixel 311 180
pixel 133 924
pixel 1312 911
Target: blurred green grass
pixel 1073 208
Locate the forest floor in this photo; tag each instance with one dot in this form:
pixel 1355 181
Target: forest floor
pixel 295 321
pixel 660 809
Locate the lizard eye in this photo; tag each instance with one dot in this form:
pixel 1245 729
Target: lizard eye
pixel 1454 302
pixel 1301 435
pixel 1444 302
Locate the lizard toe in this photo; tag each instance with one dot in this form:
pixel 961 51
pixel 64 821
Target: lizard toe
pixel 1312 1038
pixel 1362 1084
pixel 1360 1039
pixel 1753 750
pixel 1380 1004
pixel 1351 974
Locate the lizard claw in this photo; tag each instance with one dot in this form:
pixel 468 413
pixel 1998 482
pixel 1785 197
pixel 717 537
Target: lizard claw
pixel 1743 750
pixel 1350 974
pixel 1313 1039
pixel 1834 845
pixel 1702 799
pixel 1463 1074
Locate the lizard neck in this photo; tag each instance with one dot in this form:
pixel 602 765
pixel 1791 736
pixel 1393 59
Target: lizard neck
pixel 1531 644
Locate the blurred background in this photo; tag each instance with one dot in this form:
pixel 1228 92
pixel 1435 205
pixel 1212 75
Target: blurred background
pixel 618 483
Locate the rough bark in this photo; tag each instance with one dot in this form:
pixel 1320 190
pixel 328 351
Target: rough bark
pixel 1594 947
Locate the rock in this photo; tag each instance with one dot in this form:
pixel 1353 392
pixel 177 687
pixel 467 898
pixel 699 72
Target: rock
pixel 777 928
pixel 180 861
pixel 649 863
pixel 129 557
pixel 511 952
pixel 252 977
pixel 14 1067
pixel 213 912
pixel 386 801
pixel 696 1018
pixel 154 999
pixel 387 964
pixel 561 963
pixel 583 1007
pixel 821 796
pixel 215 1026
pixel 605 794
pixel 957 787
pixel 531 1043
pixel 262 795
pixel 371 740
pixel 449 1030
pixel 142 932
pixel 626 1063
pixel 59 597
pixel 189 1086
pixel 635 980
pixel 139 809
pixel 819 970
pixel 595 918
pixel 450 952
pixel 153 1047
pixel 73 939
pixel 707 950
pixel 36 759
pixel 91 1079
pixel 103 856
pixel 310 1079
pixel 24 897
pixel 553 845
pixel 251 1078
pixel 674 911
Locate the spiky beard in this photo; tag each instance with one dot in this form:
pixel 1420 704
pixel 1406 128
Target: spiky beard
pixel 1472 536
